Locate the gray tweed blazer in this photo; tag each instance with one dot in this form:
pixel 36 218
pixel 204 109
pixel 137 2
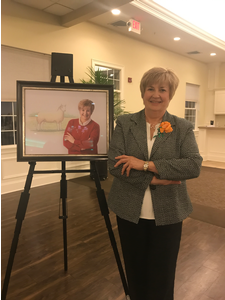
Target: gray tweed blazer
pixel 175 156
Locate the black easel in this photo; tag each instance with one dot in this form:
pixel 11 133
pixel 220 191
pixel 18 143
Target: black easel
pixel 24 198
pixel 62 65
pixel 105 213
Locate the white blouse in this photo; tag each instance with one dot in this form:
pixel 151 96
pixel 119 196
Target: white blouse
pixel 85 123
pixel 147 211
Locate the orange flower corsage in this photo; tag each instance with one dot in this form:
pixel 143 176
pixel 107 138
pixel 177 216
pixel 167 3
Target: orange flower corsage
pixel 164 127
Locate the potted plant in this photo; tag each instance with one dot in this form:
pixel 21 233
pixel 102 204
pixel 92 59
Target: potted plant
pixel 98 77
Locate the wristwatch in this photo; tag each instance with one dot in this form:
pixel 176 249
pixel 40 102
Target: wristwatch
pixel 146 165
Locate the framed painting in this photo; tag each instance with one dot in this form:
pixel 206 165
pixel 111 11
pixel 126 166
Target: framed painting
pixel 63 121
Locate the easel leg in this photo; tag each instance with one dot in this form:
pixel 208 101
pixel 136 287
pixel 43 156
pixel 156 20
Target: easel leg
pixel 20 215
pixel 63 182
pixel 105 212
pixel 63 196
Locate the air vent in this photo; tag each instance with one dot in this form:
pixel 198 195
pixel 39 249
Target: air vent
pixel 119 23
pixel 193 52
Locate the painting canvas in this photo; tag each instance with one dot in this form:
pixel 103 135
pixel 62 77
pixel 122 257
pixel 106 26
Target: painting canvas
pixel 63 121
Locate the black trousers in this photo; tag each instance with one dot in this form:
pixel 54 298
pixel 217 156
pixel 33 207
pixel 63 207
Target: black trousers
pixel 150 255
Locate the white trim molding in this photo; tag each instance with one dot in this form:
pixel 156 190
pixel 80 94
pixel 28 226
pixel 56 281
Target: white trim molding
pixel 14 173
pixel 172 19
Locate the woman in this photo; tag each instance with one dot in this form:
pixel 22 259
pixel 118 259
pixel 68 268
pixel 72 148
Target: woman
pixel 81 135
pixel 151 155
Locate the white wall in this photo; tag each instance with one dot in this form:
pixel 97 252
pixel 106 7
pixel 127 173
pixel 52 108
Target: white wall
pixel 38 31
pixel 34 31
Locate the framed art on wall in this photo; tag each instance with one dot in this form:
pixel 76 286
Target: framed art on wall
pixel 63 121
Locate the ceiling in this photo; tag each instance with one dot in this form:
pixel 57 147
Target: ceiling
pixel 158 25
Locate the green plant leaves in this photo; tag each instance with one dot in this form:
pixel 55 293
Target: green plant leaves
pixel 99 77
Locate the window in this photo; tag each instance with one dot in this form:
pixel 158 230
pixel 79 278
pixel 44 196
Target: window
pixel 8 123
pixel 191 103
pixel 112 72
pixel 190 111
pixel 18 64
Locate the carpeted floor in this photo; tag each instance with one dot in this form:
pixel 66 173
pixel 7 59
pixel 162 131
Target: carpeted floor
pixel 209 188
pixel 207 193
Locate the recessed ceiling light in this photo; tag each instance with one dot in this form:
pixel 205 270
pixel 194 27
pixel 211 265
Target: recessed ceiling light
pixel 212 54
pixel 176 39
pixel 115 11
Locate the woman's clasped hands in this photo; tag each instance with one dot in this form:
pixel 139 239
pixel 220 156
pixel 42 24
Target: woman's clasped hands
pixel 131 162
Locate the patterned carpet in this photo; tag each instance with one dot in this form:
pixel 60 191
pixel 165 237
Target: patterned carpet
pixel 207 193
pixel 209 188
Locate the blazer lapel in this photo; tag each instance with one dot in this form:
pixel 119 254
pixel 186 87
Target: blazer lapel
pixel 160 140
pixel 138 129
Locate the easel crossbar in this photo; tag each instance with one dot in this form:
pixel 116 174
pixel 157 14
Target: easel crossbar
pixel 62 171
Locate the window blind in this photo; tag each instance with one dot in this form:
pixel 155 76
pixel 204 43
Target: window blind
pixel 19 64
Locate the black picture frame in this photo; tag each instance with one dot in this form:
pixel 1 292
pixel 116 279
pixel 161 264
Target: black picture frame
pixel 43 112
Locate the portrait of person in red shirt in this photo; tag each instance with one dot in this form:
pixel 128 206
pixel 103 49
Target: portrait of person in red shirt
pixel 82 135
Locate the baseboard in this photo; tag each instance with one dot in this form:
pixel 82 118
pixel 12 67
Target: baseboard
pixel 208 214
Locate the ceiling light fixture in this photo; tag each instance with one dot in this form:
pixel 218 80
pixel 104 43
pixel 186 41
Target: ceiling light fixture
pixel 115 11
pixel 176 39
pixel 212 54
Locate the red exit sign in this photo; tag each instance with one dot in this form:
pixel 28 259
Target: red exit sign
pixel 134 26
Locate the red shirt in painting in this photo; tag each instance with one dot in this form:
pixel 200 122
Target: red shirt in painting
pixel 86 137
